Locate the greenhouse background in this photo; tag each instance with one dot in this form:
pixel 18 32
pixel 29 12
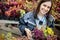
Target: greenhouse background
pixel 12 10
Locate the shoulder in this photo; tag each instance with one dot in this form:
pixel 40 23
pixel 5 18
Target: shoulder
pixel 51 18
pixel 28 15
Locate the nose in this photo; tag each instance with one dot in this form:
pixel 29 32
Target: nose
pixel 46 9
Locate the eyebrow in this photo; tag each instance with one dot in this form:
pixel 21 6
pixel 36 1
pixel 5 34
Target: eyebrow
pixel 45 5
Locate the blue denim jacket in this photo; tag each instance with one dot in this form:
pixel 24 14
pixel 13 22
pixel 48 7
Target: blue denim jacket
pixel 28 21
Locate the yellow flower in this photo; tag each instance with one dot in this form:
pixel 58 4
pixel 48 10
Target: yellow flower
pixel 50 31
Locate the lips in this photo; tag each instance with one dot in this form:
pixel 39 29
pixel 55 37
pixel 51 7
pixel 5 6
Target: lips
pixel 45 11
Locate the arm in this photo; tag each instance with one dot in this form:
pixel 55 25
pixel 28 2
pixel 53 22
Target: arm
pixel 51 22
pixel 23 23
pixel 22 26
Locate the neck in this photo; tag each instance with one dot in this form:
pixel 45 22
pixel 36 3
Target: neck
pixel 40 14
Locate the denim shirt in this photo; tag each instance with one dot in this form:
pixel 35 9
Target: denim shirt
pixel 43 20
pixel 28 21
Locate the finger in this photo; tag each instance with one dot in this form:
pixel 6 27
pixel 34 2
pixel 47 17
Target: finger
pixel 30 34
pixel 28 37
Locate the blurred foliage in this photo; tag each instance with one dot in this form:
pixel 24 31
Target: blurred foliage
pixel 56 9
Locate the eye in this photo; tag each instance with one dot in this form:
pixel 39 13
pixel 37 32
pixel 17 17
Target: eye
pixel 49 7
pixel 44 5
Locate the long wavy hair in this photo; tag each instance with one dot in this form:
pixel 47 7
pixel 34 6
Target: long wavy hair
pixel 38 9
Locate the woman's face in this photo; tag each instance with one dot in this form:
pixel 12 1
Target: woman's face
pixel 45 7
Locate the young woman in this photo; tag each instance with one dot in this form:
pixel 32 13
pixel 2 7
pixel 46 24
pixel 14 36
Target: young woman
pixel 40 16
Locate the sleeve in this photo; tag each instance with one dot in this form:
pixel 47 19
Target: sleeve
pixel 22 23
pixel 51 23
pixel 22 26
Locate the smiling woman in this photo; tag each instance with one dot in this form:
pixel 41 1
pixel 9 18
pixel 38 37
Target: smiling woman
pixel 41 14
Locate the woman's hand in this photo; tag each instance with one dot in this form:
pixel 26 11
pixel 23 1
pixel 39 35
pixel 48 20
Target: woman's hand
pixel 29 34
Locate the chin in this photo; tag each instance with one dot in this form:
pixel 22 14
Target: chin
pixel 43 13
